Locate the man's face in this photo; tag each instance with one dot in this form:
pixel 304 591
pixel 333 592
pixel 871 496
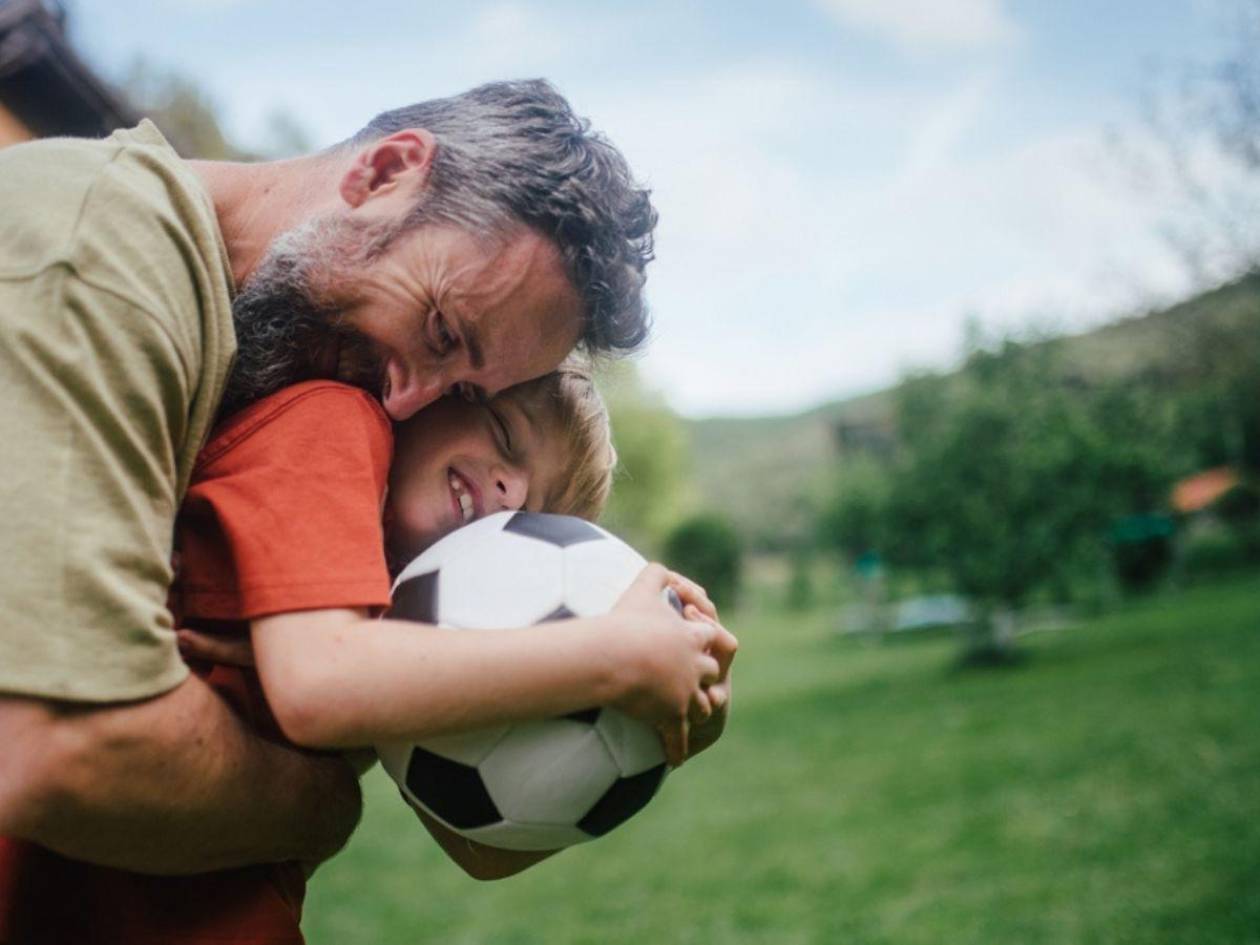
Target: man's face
pixel 441 308
pixel 407 316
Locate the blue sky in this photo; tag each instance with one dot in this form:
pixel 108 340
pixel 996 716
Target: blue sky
pixel 841 183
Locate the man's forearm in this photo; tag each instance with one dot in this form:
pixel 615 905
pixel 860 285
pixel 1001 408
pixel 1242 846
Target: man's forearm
pixel 174 784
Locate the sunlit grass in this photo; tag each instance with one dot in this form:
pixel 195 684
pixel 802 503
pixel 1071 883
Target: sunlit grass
pixel 1107 790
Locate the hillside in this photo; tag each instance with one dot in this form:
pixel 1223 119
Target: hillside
pixel 765 472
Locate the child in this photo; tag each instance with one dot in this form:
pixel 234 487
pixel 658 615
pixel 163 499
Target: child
pixel 283 527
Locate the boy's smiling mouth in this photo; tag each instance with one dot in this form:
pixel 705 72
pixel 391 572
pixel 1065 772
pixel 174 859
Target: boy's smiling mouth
pixel 463 495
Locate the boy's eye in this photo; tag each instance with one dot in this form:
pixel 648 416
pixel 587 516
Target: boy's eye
pixel 503 430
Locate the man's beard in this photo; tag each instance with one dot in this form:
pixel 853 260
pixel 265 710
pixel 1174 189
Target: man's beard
pixel 289 328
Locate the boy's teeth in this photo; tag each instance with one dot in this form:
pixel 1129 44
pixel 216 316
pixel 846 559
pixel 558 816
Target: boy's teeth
pixel 465 500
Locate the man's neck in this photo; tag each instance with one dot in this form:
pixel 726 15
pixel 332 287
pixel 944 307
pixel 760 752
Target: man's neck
pixel 255 203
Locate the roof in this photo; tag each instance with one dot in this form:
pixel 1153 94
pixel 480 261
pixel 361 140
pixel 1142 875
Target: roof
pixel 1195 493
pixel 44 84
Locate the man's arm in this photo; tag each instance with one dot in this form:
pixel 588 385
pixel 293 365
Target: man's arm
pixel 171 785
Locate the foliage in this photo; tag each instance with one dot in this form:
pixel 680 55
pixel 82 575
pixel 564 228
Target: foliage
pixel 707 549
pixel 852 522
pixel 1142 549
pixel 1207 120
pixel 1240 506
pixel 801 594
pixel 1214 551
pixel 184 112
pixel 1014 469
pixel 189 117
pixel 649 491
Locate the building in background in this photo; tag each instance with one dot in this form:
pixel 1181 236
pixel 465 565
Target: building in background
pixel 45 88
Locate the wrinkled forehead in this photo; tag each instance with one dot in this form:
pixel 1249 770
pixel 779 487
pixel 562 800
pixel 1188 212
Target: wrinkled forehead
pixel 520 308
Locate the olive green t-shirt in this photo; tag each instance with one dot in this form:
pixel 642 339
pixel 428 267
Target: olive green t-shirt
pixel 115 342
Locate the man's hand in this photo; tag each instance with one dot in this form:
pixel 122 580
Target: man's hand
pixel 170 785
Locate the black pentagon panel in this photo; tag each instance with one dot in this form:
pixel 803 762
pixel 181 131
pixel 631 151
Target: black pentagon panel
pixel 560 613
pixel 622 801
pixel 589 716
pixel 416 599
pixel 558 530
pixel 453 791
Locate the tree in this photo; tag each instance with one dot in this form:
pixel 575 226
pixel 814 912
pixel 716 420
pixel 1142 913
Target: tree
pixel 852 522
pixel 1206 120
pixel 189 117
pixel 649 490
pixel 707 549
pixel 1010 473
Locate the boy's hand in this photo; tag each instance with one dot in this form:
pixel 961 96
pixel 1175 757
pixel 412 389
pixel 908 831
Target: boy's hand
pixel 708 731
pixel 668 659
pixel 697 606
pixel 689 592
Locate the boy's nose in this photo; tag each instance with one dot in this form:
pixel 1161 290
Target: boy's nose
pixel 511 487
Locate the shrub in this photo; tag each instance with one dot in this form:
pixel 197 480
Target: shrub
pixel 1142 549
pixel 1220 551
pixel 707 549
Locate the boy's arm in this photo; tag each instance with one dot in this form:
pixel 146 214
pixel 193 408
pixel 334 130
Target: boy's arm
pixel 334 679
pixel 174 784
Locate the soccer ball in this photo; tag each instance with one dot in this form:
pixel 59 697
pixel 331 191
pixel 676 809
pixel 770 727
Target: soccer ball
pixel 539 785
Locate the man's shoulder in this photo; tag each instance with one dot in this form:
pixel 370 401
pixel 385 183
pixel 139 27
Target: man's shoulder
pixel 125 215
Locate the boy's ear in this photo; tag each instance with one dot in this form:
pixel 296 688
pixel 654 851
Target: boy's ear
pixel 399 163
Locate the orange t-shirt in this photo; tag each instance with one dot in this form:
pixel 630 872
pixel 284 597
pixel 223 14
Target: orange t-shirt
pixel 283 514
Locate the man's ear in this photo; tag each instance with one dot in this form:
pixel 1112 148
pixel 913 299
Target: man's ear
pixel 404 158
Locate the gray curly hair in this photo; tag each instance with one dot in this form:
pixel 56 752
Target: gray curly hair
pixel 512 153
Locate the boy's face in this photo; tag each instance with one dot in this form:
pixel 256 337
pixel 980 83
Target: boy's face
pixel 455 462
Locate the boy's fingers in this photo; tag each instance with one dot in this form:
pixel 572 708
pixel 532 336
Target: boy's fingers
pixel 710 671
pixel 692 593
pixel 723 645
pixel 719 696
pixel 700 709
pixel 674 738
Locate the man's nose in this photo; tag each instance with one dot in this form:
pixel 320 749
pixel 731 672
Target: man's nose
pixel 406 394
pixel 511 487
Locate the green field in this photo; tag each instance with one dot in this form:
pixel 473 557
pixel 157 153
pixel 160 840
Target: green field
pixel 1107 790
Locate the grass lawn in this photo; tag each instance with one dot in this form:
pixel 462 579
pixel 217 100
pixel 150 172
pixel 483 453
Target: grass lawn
pixel 1107 790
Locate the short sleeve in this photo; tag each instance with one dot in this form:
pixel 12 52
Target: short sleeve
pixel 115 343
pixel 284 513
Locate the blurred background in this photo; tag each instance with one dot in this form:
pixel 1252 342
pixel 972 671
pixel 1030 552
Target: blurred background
pixel 953 404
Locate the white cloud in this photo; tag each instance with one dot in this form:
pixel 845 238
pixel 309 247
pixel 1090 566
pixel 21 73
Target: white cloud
pixel 929 25
pixel 819 233
pixel 781 281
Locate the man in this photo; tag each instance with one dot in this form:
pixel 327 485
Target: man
pixel 466 243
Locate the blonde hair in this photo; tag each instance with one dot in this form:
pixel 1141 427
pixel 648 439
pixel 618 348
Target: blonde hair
pixel 568 401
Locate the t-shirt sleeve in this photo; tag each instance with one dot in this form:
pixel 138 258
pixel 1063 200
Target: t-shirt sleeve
pixel 287 516
pixel 115 340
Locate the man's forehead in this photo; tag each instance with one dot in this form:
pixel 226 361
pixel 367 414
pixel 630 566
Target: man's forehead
pixel 531 314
